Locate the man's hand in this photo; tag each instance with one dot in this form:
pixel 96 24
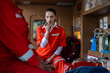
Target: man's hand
pixel 49 60
pixel 47 27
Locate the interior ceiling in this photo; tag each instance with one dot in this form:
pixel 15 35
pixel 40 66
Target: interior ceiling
pixel 67 2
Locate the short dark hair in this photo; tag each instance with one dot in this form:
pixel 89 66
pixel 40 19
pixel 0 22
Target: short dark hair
pixel 51 10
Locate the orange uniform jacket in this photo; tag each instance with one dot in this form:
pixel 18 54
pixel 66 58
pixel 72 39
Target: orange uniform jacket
pixel 56 38
pixel 16 51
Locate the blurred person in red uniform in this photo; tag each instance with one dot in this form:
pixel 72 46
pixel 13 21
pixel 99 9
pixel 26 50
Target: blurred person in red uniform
pixel 51 40
pixel 17 54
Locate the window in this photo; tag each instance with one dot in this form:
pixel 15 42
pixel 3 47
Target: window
pixel 36 24
pixel 104 22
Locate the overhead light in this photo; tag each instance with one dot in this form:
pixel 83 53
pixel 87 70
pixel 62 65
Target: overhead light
pixel 26 2
pixel 64 4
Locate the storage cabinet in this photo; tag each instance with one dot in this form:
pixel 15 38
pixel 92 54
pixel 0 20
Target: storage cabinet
pixel 90 21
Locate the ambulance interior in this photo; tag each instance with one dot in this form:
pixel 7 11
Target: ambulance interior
pixel 87 20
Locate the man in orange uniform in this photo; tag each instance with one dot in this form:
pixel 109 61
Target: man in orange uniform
pixel 17 54
pixel 51 40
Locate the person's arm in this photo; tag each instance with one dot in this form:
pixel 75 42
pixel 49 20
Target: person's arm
pixel 57 52
pixel 42 42
pixel 47 28
pixel 11 30
pixel 49 60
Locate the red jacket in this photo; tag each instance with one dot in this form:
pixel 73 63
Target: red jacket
pixel 14 43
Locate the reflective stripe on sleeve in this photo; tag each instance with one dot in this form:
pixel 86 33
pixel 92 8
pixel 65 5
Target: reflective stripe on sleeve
pixel 31 46
pixel 55 34
pixel 44 42
pixel 57 58
pixel 27 55
pixel 58 61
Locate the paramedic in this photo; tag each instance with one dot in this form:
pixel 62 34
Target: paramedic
pixel 51 40
pixel 17 54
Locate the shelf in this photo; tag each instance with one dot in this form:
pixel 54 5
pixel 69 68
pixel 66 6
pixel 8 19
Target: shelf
pixel 98 10
pixel 98 54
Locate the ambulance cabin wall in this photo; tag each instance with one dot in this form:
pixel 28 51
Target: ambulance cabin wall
pixel 37 12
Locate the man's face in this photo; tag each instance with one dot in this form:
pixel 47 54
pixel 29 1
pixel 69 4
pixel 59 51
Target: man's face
pixel 50 17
